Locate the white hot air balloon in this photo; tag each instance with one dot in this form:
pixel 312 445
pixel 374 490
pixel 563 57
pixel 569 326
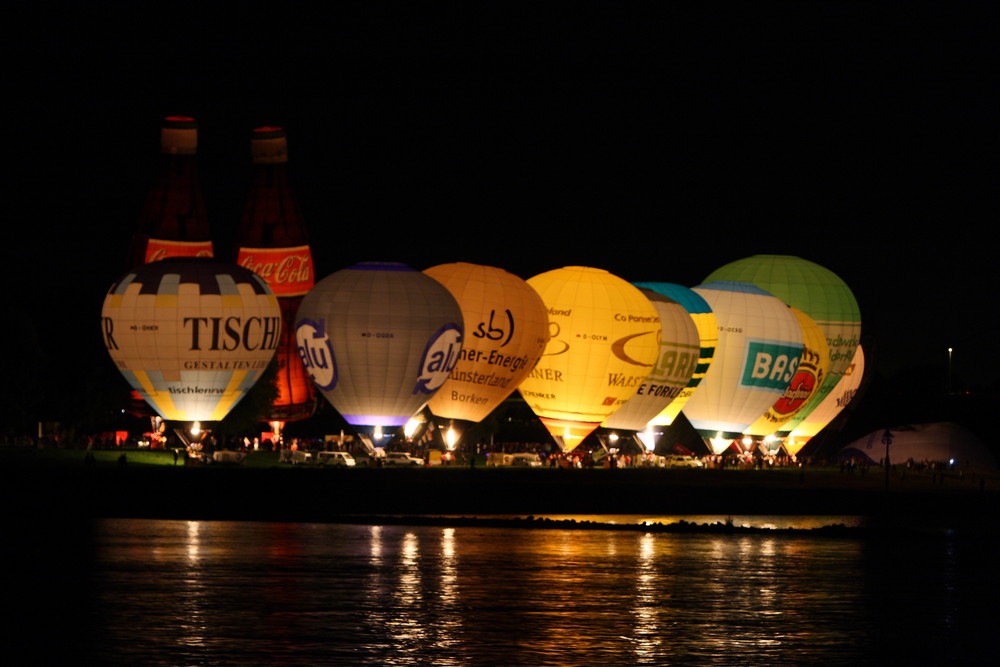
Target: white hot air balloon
pixel 379 339
pixel 191 335
pixel 760 346
pixel 680 350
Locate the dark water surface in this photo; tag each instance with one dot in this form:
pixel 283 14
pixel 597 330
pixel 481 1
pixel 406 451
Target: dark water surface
pixel 165 592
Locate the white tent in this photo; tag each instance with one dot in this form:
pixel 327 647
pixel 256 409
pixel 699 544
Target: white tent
pixel 942 442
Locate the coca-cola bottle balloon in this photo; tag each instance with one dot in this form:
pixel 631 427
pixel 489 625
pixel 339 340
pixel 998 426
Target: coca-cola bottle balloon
pixel 273 243
pixel 173 221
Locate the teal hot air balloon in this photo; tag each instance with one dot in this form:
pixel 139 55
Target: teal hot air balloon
pixel 379 339
pixel 680 349
pixel 817 292
pixel 708 332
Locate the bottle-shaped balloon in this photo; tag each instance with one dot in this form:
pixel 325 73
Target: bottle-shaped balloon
pixel 191 335
pixel 506 329
pixel 379 339
pixel 604 339
pixel 273 242
pixel 173 221
pixel 760 346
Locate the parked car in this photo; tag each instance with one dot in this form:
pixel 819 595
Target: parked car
pixel 228 457
pixel 526 459
pixel 520 459
pixel 294 456
pixel 682 461
pixel 335 459
pixel 401 459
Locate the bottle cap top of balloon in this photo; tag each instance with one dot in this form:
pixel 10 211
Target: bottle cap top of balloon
pixel 179 136
pixel 269 145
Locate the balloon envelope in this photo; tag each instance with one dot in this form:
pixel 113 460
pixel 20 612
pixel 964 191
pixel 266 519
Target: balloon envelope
pixel 816 291
pixel 378 339
pixel 680 348
pixel 604 340
pixel 506 327
pixel 831 406
pixel 808 378
pixel 708 333
pixel 760 345
pixel 191 335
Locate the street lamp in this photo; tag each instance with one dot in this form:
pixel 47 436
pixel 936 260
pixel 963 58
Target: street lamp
pixel 949 371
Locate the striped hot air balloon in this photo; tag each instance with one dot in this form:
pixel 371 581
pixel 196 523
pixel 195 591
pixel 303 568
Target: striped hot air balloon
pixel 708 333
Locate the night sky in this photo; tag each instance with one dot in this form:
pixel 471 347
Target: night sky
pixel 658 141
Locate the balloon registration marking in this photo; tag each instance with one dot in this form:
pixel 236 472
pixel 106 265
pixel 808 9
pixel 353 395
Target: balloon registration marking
pixel 316 352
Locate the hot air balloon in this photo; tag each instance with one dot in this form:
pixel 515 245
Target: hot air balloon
pixel 760 346
pixel 830 407
pixel 816 291
pixel 191 335
pixel 506 327
pixel 379 339
pixel 708 331
pixel 680 351
pixel 808 378
pixel 604 340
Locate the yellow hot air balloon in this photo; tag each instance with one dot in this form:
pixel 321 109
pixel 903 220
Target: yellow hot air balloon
pixel 191 335
pixel 809 376
pixel 604 340
pixel 831 406
pixel 506 327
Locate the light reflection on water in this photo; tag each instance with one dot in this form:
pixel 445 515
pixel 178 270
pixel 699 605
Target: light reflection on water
pixel 775 521
pixel 177 592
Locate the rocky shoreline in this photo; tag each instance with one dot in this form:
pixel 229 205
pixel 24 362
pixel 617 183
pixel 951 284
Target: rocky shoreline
pixel 490 497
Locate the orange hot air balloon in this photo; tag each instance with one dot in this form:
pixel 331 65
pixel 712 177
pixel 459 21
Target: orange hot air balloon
pixel 604 339
pixel 506 327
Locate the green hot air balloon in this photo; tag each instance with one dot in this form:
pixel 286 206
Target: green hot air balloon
pixel 817 292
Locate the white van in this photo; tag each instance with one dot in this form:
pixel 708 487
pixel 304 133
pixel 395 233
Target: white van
pixel 335 459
